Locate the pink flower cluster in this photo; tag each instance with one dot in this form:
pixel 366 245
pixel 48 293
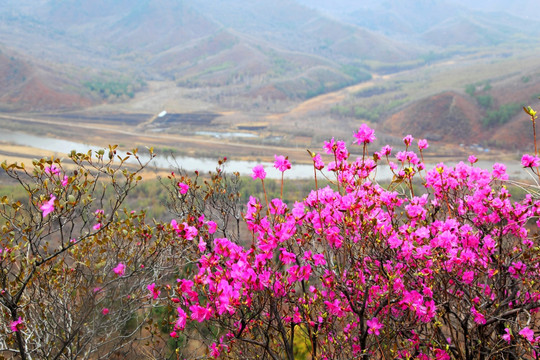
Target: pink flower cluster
pixel 356 263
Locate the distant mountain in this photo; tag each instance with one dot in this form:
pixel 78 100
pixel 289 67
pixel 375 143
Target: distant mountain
pixel 278 43
pixel 117 30
pixel 441 23
pixel 275 49
pixel 295 27
pixel 526 9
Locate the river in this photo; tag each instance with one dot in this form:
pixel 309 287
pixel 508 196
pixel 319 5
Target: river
pixel 298 171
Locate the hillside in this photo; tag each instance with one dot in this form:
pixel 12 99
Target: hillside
pixel 27 86
pixel 441 23
pixel 404 64
pixel 458 118
pixel 448 117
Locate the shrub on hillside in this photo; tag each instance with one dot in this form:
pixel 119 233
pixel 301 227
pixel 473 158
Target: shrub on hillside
pixel 354 270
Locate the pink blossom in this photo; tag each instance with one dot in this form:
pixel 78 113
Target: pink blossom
pixel 468 277
pixel 530 161
pixel 408 140
pixel 52 170
pixel 478 317
pixel 258 172
pixel 508 336
pixel 386 150
pixel 105 311
pixel 184 230
pixel 181 321
pixel 202 245
pixel 48 207
pixel 329 146
pixel 286 257
pixel 200 313
pixel 441 355
pixel 212 227
pixel 97 226
pixel 499 171
pixel 120 269
pixel 374 326
pixel 183 188
pixel 516 269
pixel 364 135
pixel 65 181
pixel 318 162
pixel 527 334
pixel 423 144
pixel 319 259
pixel 215 351
pixel 472 159
pixel 153 290
pixel 282 163
pixel 16 325
pixel 173 334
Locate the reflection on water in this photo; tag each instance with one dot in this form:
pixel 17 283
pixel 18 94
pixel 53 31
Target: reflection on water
pixel 297 171
pixel 226 134
pixel 186 162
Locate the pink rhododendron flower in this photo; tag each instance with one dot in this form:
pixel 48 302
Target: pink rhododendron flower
pixel 516 269
pixel 508 336
pixel 181 321
pixel 478 317
pixel 499 171
pixel 472 159
pixel 364 135
pixel 52 170
pixel 97 226
pixel 441 355
pixel 48 207
pixel 215 351
pixel 408 140
pixel 120 269
pixel 183 188
pixel 318 162
pixel 527 334
pixel 173 334
pixel 65 181
pixel 184 230
pixel 202 245
pixel 423 144
pixel 386 150
pixel 319 259
pixel 282 163
pixel 212 227
pixel 16 325
pixel 286 257
pixel 468 277
pixel 155 292
pixel 374 326
pixel 104 311
pixel 200 313
pixel 258 172
pixel 530 161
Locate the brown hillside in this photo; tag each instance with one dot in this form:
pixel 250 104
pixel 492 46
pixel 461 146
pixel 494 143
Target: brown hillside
pixel 516 135
pixel 36 95
pixel 268 92
pixel 12 72
pixel 448 117
pixel 27 87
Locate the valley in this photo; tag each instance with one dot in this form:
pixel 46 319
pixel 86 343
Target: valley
pixel 262 85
